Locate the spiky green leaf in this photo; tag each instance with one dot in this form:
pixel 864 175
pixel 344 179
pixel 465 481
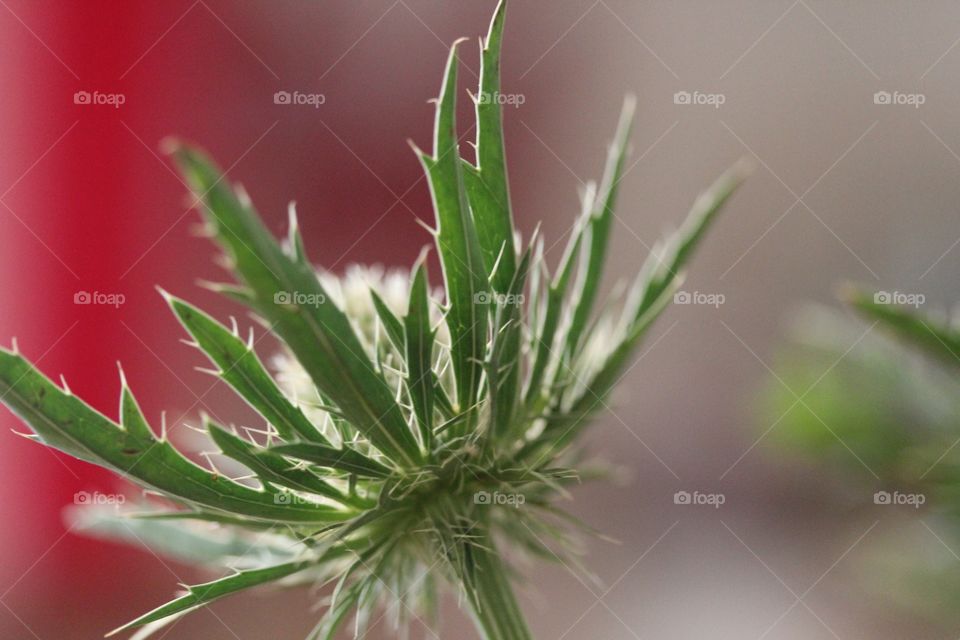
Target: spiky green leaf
pixel 593 252
pixel 198 543
pixel 486 183
pixel 503 371
pixel 241 369
pixel 345 459
pixel 289 295
pixel 64 421
pixel 201 594
pixel 544 334
pixel 272 467
pixel 419 353
pixel 664 269
pixel 391 323
pixel 464 273
pixel 651 294
pixel 933 336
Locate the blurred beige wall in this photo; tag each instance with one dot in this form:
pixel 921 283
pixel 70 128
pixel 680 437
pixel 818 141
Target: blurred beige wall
pixel 878 189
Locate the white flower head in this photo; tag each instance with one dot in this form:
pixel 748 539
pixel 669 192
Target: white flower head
pixel 351 292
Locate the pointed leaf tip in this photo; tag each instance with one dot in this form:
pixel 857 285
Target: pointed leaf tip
pixel 486 183
pixel 170 145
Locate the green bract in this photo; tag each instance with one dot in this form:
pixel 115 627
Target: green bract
pixel 408 438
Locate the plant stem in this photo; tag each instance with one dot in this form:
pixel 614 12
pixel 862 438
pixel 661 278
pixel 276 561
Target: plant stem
pixel 494 604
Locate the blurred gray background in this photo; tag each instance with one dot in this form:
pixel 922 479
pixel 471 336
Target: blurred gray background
pixel 844 189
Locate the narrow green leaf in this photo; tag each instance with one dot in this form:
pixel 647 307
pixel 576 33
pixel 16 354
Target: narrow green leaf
pixel 460 254
pixel 652 293
pixel 289 296
pixel 272 467
pixel 295 245
pixel 933 336
pixel 564 427
pixel 504 366
pixel 486 184
pixel 556 294
pixel 200 515
pixel 65 422
pixel 241 369
pixel 594 252
pixel 537 283
pixel 441 399
pixel 235 292
pixel 345 459
pixel 337 613
pixel 663 269
pixel 201 594
pixel 199 544
pixel 419 353
pixel 390 321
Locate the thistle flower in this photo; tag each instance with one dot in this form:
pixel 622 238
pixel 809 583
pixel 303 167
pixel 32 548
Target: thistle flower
pixel 404 431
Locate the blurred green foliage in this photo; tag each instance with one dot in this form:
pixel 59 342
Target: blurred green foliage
pixel 874 402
